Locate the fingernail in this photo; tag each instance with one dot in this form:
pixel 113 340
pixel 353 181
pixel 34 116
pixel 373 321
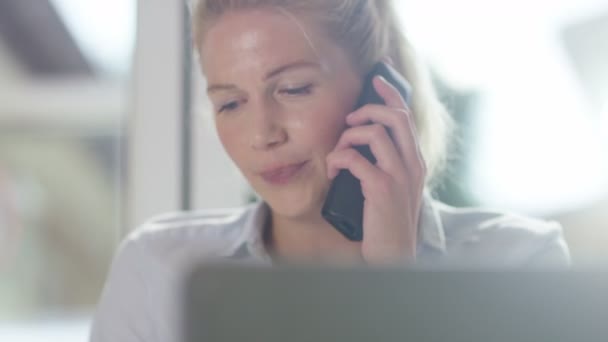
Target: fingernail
pixel 388 60
pixel 382 79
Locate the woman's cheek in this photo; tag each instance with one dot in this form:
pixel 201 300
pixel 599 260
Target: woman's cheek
pixel 231 140
pixel 321 122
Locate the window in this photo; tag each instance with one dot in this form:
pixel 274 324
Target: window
pixel 63 109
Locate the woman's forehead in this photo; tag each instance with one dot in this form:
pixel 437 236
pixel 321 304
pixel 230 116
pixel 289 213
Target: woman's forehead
pixel 263 25
pixel 247 38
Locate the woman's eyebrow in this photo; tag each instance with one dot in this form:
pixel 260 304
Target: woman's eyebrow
pixel 218 87
pixel 273 73
pixel 289 66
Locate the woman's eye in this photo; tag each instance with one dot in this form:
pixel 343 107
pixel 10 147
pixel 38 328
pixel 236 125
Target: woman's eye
pixel 305 90
pixel 232 105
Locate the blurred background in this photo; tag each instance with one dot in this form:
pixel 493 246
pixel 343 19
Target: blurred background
pixel 65 70
pixel 104 123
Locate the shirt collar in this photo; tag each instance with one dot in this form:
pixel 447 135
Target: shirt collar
pixel 254 231
pixel 431 234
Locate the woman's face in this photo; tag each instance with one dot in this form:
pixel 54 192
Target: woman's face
pixel 280 90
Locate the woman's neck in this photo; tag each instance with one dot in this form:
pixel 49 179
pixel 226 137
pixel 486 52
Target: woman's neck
pixel 309 241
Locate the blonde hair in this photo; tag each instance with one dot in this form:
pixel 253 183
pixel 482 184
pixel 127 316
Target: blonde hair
pixel 369 31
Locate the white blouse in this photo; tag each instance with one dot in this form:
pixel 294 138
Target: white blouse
pixel 140 301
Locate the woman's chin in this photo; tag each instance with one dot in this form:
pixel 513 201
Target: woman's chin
pixel 299 201
pixel 296 209
pixel 301 205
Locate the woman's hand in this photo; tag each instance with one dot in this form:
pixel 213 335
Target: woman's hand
pixel 392 187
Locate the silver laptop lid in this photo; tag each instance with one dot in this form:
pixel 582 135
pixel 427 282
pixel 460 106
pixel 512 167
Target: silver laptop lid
pixel 232 303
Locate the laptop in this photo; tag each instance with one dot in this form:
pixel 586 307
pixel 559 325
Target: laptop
pixel 244 303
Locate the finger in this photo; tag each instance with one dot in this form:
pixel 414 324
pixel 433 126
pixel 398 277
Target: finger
pixel 375 183
pixel 389 93
pixel 388 60
pixel 401 127
pixel 351 160
pixel 382 146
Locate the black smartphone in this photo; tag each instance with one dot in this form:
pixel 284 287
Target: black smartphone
pixel 343 206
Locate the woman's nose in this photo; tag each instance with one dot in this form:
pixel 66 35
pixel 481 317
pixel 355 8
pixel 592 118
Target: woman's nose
pixel 266 127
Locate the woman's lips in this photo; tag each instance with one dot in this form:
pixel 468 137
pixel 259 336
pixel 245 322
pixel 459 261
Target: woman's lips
pixel 283 174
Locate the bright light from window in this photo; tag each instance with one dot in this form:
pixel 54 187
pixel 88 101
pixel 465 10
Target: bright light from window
pixel 66 330
pixel 604 124
pixel 538 149
pixel 103 29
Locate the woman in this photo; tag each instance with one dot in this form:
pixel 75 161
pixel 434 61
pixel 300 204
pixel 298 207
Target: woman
pixel 283 77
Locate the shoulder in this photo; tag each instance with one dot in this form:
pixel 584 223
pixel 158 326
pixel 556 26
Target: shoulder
pixel 200 233
pixel 485 236
pixel 141 294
